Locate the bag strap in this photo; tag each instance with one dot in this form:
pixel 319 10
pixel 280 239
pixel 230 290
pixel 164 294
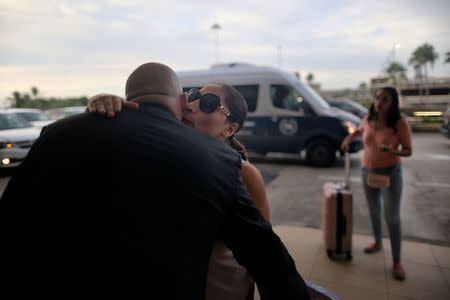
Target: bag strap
pixel 390 176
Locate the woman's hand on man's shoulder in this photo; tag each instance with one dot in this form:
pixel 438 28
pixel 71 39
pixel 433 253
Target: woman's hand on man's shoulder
pixel 108 104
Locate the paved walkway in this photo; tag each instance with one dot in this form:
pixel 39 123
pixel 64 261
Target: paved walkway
pixel 369 277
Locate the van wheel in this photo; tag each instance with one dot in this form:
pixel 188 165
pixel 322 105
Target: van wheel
pixel 320 153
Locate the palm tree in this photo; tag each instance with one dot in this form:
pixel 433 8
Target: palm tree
pixel 447 59
pixel 34 91
pixel 395 72
pixel 418 70
pixel 310 77
pixel 17 99
pixel 421 57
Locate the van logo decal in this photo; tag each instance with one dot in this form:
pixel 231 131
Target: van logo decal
pixel 288 126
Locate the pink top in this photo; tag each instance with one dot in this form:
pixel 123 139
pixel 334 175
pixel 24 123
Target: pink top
pixel 373 139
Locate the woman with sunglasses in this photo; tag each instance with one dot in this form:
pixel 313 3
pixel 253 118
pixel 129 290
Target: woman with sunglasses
pixel 220 111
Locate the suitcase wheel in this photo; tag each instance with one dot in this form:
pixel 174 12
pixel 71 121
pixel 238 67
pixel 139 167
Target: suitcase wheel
pixel 334 256
pixel 348 256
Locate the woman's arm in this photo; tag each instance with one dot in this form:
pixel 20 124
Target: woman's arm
pixel 350 138
pixel 403 152
pixel 404 136
pixel 256 188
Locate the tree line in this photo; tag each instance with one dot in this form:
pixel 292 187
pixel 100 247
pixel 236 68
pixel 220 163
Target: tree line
pixel 421 58
pixel 32 99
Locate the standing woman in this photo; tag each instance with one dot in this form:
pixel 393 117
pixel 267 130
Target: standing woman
pixel 386 137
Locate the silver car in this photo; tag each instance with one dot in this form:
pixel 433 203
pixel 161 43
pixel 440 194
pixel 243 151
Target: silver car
pixel 16 138
pixel 58 113
pixel 35 117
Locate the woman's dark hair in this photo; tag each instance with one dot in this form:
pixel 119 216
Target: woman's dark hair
pixel 238 110
pixel 394 110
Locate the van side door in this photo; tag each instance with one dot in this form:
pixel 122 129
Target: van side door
pixel 287 123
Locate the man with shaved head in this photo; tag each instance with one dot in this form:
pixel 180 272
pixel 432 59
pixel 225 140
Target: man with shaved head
pixel 163 194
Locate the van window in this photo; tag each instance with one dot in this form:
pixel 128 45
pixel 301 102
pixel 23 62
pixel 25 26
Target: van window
pixel 285 97
pixel 344 106
pixel 250 93
pixel 314 98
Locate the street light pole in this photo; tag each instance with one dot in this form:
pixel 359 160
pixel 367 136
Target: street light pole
pixel 395 46
pixel 279 56
pixel 216 27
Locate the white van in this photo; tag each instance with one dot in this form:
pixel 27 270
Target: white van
pixel 284 114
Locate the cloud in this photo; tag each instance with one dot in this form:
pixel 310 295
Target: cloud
pixel 77 80
pixel 342 42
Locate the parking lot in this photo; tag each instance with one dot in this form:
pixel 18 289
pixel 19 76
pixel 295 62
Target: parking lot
pixel 295 190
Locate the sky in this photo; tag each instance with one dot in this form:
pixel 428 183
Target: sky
pixel 82 48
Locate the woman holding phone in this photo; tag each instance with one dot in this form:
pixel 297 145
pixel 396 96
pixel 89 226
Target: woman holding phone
pixel 386 137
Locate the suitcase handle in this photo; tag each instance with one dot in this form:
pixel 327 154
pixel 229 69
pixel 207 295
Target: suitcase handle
pixel 347 170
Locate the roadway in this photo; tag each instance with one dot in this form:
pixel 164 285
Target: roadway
pixel 295 189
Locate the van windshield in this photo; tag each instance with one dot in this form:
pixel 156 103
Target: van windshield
pixel 314 98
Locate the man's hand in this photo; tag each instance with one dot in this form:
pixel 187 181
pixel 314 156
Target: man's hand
pixel 109 104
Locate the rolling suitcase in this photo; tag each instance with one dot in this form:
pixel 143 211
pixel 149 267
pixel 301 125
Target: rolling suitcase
pixel 337 216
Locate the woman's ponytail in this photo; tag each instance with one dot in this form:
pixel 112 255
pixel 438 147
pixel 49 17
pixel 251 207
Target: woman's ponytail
pixel 236 145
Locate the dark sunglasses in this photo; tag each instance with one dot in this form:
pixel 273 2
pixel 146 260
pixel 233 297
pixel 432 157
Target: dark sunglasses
pixel 209 103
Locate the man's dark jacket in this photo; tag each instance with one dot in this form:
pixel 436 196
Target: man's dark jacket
pixel 130 208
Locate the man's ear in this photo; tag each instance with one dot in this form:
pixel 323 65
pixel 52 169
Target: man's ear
pixel 184 101
pixel 181 106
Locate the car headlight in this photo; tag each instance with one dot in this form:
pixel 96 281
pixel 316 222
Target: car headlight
pixel 349 126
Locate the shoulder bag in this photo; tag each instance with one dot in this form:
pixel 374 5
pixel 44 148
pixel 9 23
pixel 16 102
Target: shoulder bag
pixel 380 181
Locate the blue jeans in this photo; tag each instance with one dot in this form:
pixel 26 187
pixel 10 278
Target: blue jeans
pixel 391 201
